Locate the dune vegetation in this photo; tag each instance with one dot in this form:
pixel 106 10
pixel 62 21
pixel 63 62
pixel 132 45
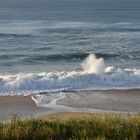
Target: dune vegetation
pixel 94 127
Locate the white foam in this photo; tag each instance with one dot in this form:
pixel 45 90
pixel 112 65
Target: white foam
pixel 50 101
pixel 93 65
pixel 93 76
pixel 109 69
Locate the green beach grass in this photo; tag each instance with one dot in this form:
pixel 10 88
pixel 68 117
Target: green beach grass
pixel 94 126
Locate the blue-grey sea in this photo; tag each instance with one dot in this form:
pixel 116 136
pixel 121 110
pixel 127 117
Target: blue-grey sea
pixel 69 45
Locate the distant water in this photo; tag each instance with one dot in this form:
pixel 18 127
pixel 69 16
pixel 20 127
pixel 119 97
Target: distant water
pixel 44 49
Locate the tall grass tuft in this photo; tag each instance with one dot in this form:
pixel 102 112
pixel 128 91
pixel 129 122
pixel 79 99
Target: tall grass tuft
pixel 97 127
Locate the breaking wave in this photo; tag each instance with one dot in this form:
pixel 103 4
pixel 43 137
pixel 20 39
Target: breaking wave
pixel 95 75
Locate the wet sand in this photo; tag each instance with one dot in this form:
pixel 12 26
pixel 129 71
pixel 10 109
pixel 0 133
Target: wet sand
pixel 118 101
pixel 107 100
pixel 23 106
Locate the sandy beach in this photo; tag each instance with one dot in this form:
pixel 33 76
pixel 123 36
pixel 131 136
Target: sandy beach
pixel 23 106
pixel 111 101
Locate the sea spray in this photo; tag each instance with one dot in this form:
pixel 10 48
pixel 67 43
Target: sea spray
pixel 93 76
pixel 92 64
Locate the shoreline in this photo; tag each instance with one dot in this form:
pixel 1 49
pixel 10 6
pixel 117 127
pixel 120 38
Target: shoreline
pixel 111 101
pixel 23 106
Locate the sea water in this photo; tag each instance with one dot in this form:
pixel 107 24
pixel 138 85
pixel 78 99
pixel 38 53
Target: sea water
pixel 70 45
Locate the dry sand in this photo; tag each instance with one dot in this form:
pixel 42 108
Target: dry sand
pixel 79 115
pixel 69 115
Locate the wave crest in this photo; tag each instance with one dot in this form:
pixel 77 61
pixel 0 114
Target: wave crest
pixel 94 76
pixel 93 65
pixel 51 82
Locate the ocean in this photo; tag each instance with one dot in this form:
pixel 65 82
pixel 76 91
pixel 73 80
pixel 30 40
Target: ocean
pixel 68 46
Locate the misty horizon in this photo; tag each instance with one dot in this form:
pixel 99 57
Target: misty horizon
pixel 77 5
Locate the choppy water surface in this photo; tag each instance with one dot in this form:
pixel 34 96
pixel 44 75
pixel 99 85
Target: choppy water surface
pixel 44 49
